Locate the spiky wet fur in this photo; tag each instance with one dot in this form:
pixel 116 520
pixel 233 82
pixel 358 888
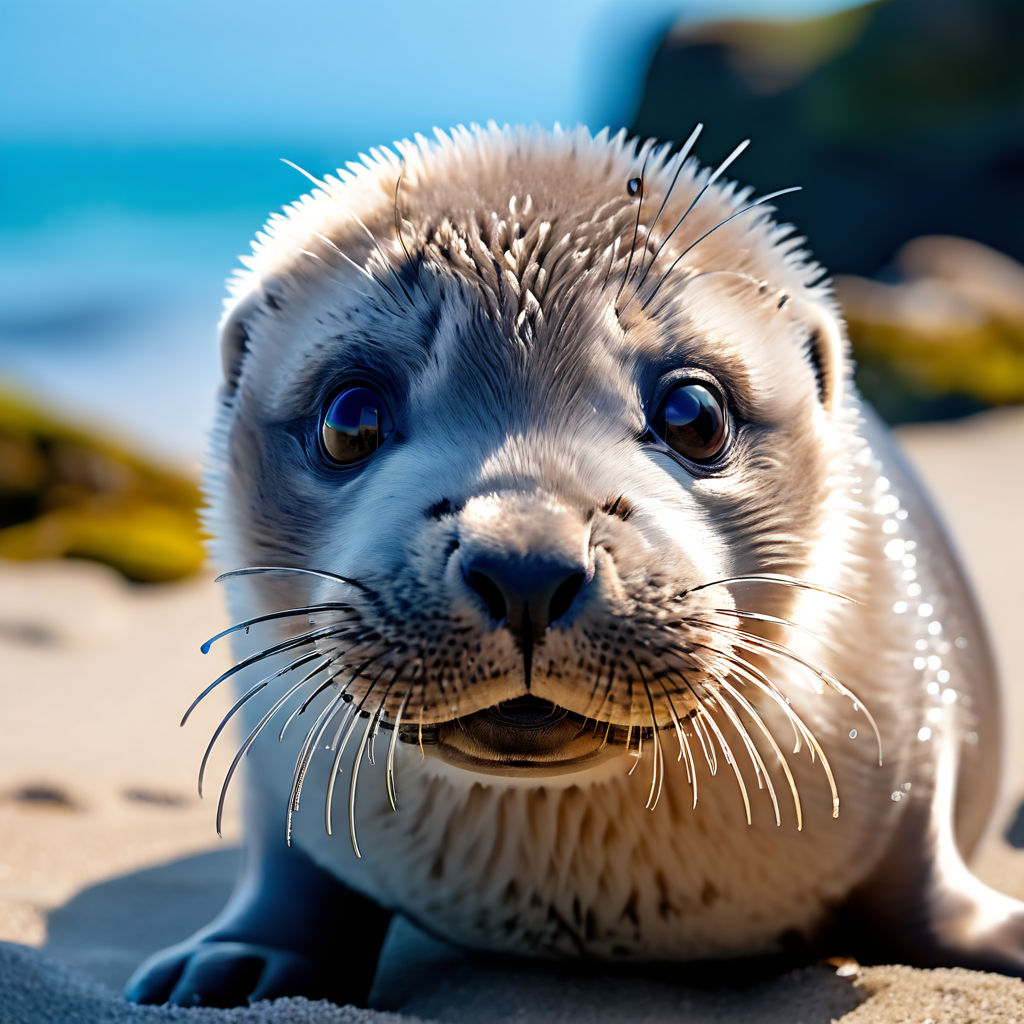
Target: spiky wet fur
pixel 506 287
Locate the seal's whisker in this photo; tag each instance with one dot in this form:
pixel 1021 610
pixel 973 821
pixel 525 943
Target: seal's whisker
pixel 613 255
pixel 746 209
pixel 764 779
pixel 384 260
pixel 612 664
pixel 317 729
pixel 639 749
pixel 724 683
pixel 343 735
pixel 246 624
pixel 398 220
pixel 685 754
pixel 761 682
pixel 359 270
pixel 680 160
pixel 247 696
pixel 390 773
pixel 778 620
pixel 772 577
pixel 307 701
pixel 309 746
pixel 722 702
pixel 636 228
pixel 743 637
pixel 379 714
pixel 658 767
pixel 301 710
pixel 246 744
pixel 250 570
pixel 291 644
pixel 713 176
pixel 329 191
pixel 371 726
pixel 705 740
pixel 730 759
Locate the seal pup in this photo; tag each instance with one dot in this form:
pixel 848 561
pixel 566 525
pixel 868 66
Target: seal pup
pixel 553 519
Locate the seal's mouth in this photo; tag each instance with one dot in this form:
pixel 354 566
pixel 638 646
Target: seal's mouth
pixel 523 736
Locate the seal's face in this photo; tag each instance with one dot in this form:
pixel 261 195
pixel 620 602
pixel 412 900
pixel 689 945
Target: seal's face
pixel 545 447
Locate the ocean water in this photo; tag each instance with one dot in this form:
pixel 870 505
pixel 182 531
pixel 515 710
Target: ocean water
pixel 130 180
pixel 112 269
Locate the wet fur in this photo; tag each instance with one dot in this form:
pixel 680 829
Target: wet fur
pixel 523 297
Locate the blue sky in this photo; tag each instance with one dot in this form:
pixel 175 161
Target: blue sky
pixel 196 70
pixel 140 145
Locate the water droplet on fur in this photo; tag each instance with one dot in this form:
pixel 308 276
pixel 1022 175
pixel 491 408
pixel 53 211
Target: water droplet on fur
pixel 897 796
pixel 887 505
pixel 853 734
pixel 924 734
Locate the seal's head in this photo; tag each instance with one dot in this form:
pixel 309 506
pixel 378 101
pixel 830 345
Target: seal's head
pixel 530 415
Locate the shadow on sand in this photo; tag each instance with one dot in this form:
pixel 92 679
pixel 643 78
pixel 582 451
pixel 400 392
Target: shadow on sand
pixel 107 929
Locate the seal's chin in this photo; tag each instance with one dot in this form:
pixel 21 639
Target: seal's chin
pixel 526 736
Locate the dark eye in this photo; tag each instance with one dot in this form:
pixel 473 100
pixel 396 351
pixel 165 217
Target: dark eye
pixel 691 421
pixel 357 422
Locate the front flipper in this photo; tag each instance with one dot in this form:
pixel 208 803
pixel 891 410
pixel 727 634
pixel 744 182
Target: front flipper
pixel 924 907
pixel 287 930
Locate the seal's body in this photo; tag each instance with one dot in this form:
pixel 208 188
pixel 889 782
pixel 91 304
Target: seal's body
pixel 570 538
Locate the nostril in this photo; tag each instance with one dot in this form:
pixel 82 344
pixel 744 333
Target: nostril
pixel 490 592
pixel 564 595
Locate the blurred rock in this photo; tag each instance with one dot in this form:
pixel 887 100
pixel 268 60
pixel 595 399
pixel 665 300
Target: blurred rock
pixel 900 118
pixel 67 494
pixel 945 337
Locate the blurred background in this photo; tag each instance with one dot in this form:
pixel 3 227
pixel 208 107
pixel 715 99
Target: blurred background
pixel 141 148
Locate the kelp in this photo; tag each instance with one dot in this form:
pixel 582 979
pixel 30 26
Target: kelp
pixel 67 492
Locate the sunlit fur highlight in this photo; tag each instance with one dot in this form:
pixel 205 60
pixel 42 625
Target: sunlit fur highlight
pixel 527 299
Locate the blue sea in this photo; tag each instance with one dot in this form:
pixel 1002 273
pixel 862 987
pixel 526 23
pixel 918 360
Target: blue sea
pixel 136 161
pixel 112 269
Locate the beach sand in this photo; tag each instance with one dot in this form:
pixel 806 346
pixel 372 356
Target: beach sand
pixel 107 854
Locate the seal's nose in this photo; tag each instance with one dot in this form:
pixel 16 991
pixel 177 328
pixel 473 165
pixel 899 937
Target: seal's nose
pixel 527 593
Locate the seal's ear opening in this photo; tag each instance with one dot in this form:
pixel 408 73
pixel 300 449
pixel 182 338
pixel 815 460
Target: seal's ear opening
pixel 234 339
pixel 827 350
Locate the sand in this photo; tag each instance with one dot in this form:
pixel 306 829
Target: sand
pixel 106 853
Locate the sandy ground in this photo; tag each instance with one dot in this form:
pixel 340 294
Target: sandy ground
pixel 106 854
